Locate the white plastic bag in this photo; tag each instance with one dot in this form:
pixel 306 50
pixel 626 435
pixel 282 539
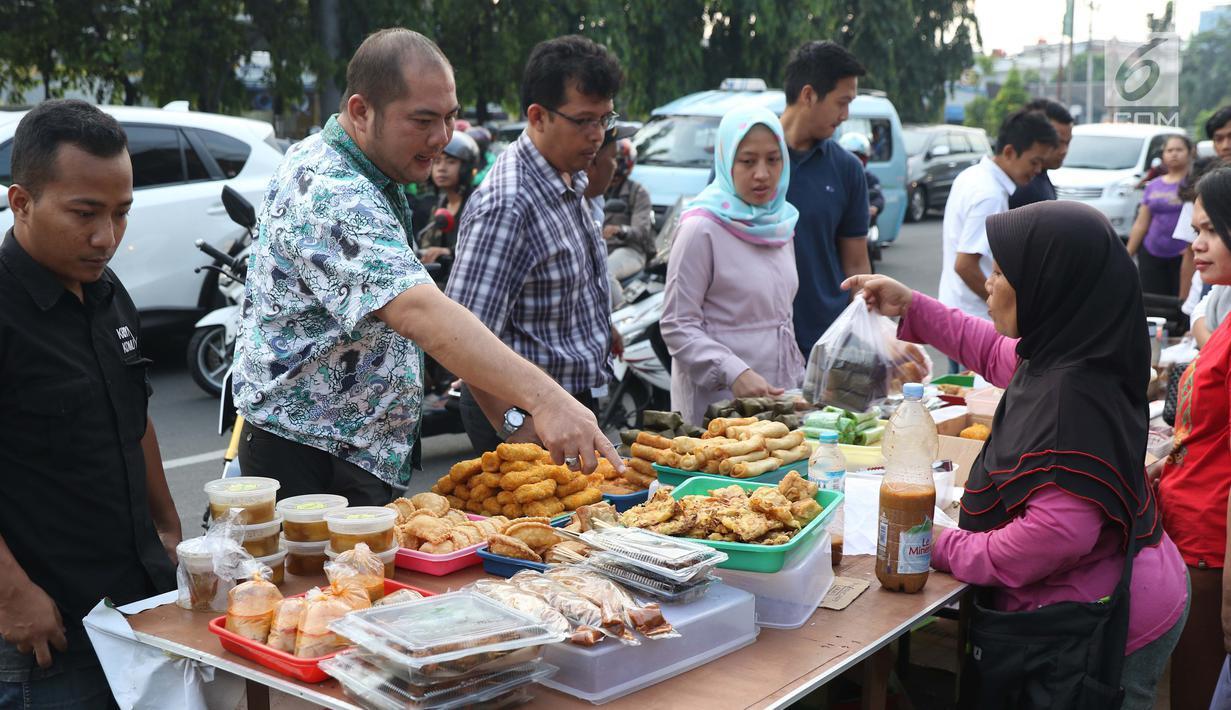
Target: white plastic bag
pixel 850 366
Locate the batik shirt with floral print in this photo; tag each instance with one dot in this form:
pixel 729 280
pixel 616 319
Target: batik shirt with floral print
pixel 312 363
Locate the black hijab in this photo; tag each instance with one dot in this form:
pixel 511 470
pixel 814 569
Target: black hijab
pixel 1075 414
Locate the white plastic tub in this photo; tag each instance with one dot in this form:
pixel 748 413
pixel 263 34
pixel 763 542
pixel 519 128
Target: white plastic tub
pixel 787 599
pixel 722 621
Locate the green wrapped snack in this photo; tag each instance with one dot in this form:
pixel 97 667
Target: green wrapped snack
pixel 869 416
pixel 823 419
pixel 763 416
pixel 814 432
pixel 715 410
pixel 629 436
pixel 692 431
pixel 751 406
pixel 661 421
pixel 865 426
pixel 783 406
pixel 870 437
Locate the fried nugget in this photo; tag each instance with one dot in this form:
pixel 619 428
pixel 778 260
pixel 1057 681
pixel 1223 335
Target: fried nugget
pixel 474 506
pixel 456 503
pixel 512 547
pixel 480 492
pixel 511 466
pixel 605 468
pixel 491 480
pixel 463 470
pixel 491 462
pixel 534 491
pixel 516 479
pixel 505 497
pixel 512 510
pixel 537 536
pixel 429 501
pixel 444 485
pixel 562 474
pixel 520 452
pixel 578 484
pixel 462 492
pixel 492 506
pixel 547 507
pixel 584 497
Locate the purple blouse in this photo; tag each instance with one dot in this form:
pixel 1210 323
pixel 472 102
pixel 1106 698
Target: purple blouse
pixel 1163 200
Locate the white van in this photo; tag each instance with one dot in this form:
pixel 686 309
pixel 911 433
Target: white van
pixel 1106 161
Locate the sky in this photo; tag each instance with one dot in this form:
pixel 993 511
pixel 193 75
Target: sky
pixel 1013 24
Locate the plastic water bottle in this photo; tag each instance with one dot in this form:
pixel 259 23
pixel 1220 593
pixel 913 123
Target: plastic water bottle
pixel 907 496
pixel 827 469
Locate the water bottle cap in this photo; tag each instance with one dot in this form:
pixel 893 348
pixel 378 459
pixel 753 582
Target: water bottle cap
pixel 829 437
pixel 912 390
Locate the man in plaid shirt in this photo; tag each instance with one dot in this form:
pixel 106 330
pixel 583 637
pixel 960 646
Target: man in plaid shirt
pixel 530 262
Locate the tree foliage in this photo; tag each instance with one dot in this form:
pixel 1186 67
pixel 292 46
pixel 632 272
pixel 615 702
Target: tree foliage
pixel 1205 82
pixel 158 50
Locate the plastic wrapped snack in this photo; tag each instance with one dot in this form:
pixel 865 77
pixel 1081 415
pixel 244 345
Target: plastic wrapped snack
pixel 531 604
pixel 576 608
pixel 250 608
pixel 850 366
pixel 401 596
pixel 615 602
pixel 210 564
pixel 285 625
pixel 361 564
pixel 321 609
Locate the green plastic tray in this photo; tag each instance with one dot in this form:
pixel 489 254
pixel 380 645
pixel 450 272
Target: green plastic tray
pixel 959 380
pixel 762 558
pixel 668 476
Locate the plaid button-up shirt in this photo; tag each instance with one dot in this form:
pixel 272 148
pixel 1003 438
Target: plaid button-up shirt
pixel 532 265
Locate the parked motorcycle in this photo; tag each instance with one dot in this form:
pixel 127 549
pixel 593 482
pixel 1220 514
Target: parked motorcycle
pixel 212 346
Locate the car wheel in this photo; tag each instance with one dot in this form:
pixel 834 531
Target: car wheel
pixel 209 358
pixel 917 207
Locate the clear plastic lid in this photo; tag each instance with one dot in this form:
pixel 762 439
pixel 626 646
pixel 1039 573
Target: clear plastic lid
pixel 378 685
pixel 260 530
pixel 310 508
pixel 668 557
pixel 241 490
pixel 361 520
pixel 442 628
pixel 643 583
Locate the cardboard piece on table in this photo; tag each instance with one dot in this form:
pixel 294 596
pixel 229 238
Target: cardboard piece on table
pixel 962 452
pixel 844 591
pixel 954 425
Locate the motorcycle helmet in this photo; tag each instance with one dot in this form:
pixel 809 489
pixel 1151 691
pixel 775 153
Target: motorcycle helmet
pixel 463 148
pixel 461 125
pixel 856 143
pixel 626 157
pixel 482 137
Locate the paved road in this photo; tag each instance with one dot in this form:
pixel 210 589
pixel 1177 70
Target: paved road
pixel 187 419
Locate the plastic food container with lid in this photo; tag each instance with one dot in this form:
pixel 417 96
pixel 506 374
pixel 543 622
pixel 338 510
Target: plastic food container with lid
pixel 261 539
pixel 277 566
pixel 256 495
pixel 442 629
pixel 305 559
pixel 303 517
pixel 721 622
pixel 371 525
pixel 375 684
pixel 786 599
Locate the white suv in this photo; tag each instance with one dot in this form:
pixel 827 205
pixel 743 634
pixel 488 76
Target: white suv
pixel 181 160
pixel 1106 161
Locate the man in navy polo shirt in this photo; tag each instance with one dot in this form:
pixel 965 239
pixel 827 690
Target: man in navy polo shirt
pixel 827 185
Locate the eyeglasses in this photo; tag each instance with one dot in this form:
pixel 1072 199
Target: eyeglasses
pixel 603 123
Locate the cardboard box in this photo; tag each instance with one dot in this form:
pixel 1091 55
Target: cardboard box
pixel 955 425
pixel 962 452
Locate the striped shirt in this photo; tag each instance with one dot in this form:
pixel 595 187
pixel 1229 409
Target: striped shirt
pixel 532 265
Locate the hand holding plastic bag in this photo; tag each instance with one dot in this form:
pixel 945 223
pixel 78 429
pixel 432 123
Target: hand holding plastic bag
pixel 850 365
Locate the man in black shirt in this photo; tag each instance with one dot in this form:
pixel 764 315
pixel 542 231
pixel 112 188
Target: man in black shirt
pixel 85 512
pixel 1040 188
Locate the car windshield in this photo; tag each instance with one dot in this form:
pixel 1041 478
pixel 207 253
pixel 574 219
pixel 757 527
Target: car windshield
pixel 916 141
pixel 677 141
pixel 1103 152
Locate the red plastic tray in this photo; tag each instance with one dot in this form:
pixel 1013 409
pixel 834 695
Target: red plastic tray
pixel 305 669
pixel 440 565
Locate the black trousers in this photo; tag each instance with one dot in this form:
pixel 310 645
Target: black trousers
pixel 1159 275
pixel 303 469
pixel 485 438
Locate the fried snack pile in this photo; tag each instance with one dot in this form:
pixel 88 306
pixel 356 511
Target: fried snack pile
pixel 978 432
pixel 426 523
pixel 518 480
pixel 740 448
pixel 535 540
pixel 770 516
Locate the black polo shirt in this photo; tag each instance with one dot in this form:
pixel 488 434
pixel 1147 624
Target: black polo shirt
pixel 1038 189
pixel 73 396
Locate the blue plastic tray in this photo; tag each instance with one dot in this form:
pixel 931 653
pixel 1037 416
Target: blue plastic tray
pixel 624 502
pixel 668 476
pixel 502 566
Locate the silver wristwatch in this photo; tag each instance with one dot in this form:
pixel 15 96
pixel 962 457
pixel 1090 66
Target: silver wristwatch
pixel 514 419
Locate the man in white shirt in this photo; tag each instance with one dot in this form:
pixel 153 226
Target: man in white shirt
pixel 1025 141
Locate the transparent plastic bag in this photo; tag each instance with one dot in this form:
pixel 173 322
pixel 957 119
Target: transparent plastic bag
pixel 850 366
pixel 363 566
pixel 285 625
pixel 250 608
pixel 908 362
pixel 209 565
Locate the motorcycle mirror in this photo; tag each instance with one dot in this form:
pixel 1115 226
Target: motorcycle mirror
pixel 239 209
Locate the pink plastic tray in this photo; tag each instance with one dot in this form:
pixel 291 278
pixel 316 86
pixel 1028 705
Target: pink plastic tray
pixel 440 565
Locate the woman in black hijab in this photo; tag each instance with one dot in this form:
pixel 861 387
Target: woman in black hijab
pixel 1058 495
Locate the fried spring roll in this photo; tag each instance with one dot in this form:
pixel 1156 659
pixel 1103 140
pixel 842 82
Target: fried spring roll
pixel 747 446
pixel 756 468
pixel 645 438
pixel 727 466
pixel 790 441
pixel 799 453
